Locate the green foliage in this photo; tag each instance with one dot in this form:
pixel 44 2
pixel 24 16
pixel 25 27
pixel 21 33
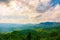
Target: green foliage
pixel 37 34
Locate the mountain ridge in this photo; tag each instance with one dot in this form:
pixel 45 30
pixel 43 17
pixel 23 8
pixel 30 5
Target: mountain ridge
pixel 6 27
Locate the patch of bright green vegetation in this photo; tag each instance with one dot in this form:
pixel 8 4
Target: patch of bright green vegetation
pixel 35 34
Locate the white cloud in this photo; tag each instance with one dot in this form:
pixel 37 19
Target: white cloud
pixel 21 12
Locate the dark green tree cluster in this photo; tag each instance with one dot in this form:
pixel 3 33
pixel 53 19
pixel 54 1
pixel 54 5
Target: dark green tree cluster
pixel 32 35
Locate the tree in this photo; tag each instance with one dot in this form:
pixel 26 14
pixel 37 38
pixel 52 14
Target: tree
pixel 29 36
pixel 38 37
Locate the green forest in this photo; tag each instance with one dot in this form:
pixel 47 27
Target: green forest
pixel 35 34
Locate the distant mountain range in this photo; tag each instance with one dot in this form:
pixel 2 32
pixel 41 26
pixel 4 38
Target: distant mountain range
pixel 7 27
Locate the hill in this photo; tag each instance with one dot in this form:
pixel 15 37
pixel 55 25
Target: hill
pixel 7 27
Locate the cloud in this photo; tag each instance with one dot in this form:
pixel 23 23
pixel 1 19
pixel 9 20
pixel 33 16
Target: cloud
pixel 42 7
pixel 19 11
pixel 4 1
pixel 51 15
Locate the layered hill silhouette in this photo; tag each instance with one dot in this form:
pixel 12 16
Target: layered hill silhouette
pixel 8 27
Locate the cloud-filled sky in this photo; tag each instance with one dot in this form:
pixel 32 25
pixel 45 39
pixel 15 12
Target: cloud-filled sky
pixel 29 11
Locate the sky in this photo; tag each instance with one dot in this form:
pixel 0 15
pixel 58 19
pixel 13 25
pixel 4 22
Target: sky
pixel 29 11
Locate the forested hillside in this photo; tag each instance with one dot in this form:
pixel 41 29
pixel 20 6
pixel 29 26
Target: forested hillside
pixel 36 34
pixel 42 31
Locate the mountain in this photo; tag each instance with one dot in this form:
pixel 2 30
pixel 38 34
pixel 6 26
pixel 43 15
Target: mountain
pixel 7 27
pixel 48 24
